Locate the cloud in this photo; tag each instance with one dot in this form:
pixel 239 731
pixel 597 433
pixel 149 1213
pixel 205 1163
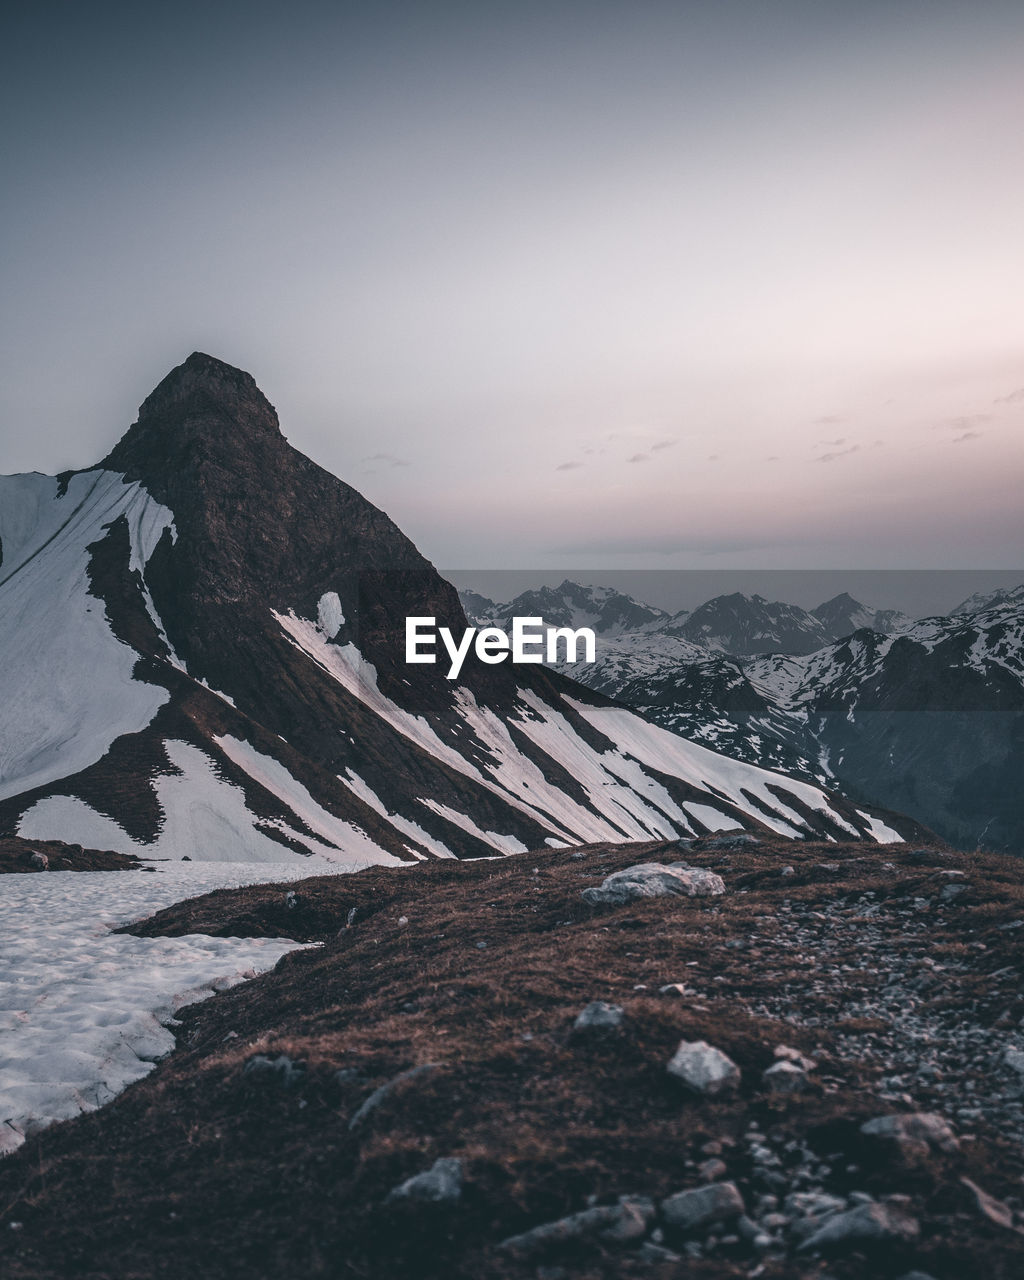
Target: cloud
pixel 840 453
pixel 568 466
pixel 639 457
pixel 829 420
pixel 772 457
pixel 663 444
pixel 966 422
pixel 1015 397
pixel 833 443
pixel 713 457
pixel 967 435
pixel 388 459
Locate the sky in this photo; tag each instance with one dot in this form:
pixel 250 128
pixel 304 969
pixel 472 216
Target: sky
pixel 611 285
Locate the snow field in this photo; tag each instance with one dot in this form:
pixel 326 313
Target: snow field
pixel 84 1012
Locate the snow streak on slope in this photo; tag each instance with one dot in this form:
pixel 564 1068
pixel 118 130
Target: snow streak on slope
pixel 734 780
pixel 78 1031
pixel 365 792
pixel 620 798
pixel 341 841
pixel 65 679
pixel 208 816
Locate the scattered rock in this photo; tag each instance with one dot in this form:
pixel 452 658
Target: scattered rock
pixel 378 1096
pixel 703 1068
pixel 280 1070
pixel 712 1170
pixel 924 857
pixel 867 1224
pixel 600 1016
pixel 615 1223
pixel 915 1134
pixel 650 1252
pixel 652 880
pixel 40 861
pixel 1014 1058
pixel 788 871
pixel 993 1209
pixel 807 1211
pixel 440 1184
pixel 741 840
pixel 691 1210
pixel 785 1078
pixel 787 1054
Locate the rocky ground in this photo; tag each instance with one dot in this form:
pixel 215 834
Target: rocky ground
pixel 812 1067
pixel 18 856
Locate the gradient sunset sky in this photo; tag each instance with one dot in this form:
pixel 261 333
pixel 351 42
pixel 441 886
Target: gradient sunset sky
pixel 627 284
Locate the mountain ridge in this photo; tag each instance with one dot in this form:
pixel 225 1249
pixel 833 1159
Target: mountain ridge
pixel 246 695
pixel 927 719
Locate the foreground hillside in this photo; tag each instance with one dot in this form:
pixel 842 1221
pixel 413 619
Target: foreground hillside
pixel 434 1032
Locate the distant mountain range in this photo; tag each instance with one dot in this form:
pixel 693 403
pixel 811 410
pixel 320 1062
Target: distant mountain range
pixel 738 624
pixel 202 655
pixel 923 717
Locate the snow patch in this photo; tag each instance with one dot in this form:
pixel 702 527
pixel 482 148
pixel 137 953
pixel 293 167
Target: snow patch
pixel 66 683
pixel 206 817
pixel 329 614
pixel 77 1031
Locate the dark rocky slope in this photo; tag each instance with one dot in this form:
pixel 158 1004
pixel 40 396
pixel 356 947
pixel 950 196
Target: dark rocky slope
pixel 265 1146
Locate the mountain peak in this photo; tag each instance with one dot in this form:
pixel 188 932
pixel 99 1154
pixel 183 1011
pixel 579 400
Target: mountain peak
pixel 203 405
pixel 842 601
pixel 204 385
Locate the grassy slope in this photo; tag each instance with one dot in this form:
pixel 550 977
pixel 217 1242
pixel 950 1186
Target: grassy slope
pixel 203 1171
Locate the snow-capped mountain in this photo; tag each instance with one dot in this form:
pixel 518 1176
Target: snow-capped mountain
pixel 982 600
pixel 929 721
pixel 202 655
pixel 842 616
pixel 742 624
pixel 738 624
pixel 606 611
